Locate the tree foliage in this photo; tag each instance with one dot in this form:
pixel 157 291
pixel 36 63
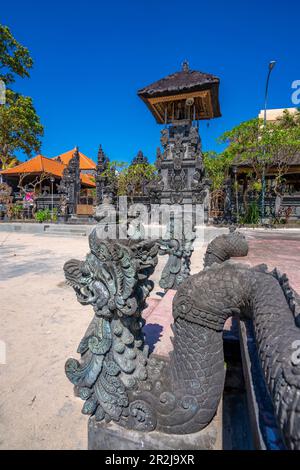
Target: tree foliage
pixel 15 59
pixel 288 119
pixel 217 167
pixel 262 146
pixel 20 127
pixel 129 179
pixel 133 178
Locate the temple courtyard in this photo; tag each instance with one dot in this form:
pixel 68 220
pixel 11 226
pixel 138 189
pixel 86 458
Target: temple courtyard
pixel 41 324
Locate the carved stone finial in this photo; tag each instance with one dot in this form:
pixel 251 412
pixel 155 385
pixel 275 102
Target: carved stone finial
pixel 140 159
pixel 101 154
pixel 185 66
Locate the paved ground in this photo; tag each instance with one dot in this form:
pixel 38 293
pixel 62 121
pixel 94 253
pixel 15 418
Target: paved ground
pixel 281 250
pixel 41 323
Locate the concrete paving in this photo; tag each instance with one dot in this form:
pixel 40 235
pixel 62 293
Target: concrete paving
pixel 41 324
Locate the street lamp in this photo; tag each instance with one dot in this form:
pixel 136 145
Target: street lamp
pixel 52 179
pixel 271 66
pixel 234 168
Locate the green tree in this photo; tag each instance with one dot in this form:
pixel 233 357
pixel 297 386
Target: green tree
pixel 20 127
pixel 132 178
pixel 129 179
pixel 246 144
pixel 262 147
pixel 217 167
pixel 283 144
pixel 14 58
pixel 288 119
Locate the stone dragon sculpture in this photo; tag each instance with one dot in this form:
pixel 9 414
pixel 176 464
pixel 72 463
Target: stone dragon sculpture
pixel 114 279
pixel 180 396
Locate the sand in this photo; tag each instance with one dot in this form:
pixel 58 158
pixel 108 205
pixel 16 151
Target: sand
pixel 41 323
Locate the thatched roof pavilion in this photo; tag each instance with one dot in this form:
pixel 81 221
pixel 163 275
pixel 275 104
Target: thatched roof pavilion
pixel 189 91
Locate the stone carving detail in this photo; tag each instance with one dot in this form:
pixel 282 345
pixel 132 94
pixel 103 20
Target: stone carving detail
pixel 101 180
pixel 226 246
pixel 177 178
pixel 200 187
pixel 69 186
pixel 228 200
pixel 114 279
pixel 139 187
pixel 106 189
pixel 292 297
pixel 181 396
pixel 177 268
pixel 226 214
pixel 154 189
pixel 186 395
pixel 181 165
pixel 140 159
pixel 158 158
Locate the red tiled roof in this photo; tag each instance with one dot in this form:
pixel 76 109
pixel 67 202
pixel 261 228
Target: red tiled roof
pixel 41 164
pixel 85 163
pixel 38 164
pixel 88 180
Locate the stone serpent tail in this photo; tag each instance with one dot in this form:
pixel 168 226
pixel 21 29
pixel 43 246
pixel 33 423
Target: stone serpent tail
pixel 225 247
pixel 186 396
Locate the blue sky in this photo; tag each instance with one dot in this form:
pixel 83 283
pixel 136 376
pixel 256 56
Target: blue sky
pixel 92 56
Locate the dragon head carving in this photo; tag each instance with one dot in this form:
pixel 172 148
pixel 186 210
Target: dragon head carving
pixel 107 278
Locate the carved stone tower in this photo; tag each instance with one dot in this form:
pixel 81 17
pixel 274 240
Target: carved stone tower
pixel 69 187
pixel 101 180
pixel 179 101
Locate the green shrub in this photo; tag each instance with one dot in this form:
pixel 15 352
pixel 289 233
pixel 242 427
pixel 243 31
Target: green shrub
pixel 16 211
pixel 43 215
pixel 54 215
pixel 252 214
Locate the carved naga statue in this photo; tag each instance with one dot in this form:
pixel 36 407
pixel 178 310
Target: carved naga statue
pixel 196 371
pixel 114 279
pixel 180 396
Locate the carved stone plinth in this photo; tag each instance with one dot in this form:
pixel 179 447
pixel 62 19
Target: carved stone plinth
pixel 110 436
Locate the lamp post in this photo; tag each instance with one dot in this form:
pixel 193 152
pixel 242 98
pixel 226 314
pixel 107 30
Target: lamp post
pixel 52 179
pixel 236 192
pixel 263 179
